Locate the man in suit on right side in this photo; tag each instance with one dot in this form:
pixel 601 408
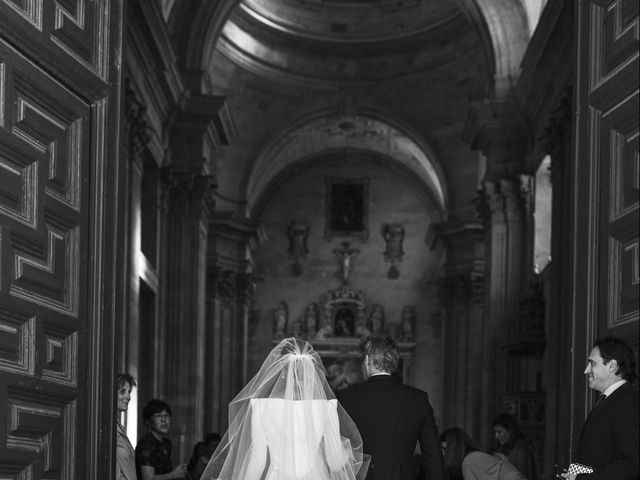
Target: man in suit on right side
pixel 391 417
pixel 609 439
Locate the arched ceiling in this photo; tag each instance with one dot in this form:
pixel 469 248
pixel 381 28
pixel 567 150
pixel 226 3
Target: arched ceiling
pixel 419 62
pixel 341 132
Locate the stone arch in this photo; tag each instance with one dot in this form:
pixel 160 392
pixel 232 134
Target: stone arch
pixel 321 134
pixel 502 26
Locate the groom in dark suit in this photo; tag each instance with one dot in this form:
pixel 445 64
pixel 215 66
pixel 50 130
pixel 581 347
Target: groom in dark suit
pixel 391 417
pixel 609 439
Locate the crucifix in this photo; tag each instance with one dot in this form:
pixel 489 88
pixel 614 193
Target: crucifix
pixel 344 254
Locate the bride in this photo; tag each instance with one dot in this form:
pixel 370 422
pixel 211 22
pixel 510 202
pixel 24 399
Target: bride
pixel 286 424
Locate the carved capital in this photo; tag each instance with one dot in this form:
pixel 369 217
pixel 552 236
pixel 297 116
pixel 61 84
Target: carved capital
pixel 187 192
pixel 225 285
pixel 136 126
pixel 500 201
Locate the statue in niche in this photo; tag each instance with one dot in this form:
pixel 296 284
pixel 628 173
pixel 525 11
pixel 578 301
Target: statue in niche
pixel 361 324
pixel 280 316
pixel 407 323
pixel 376 320
pixel 393 234
pixel 344 322
pixel 327 328
pixel 298 234
pixel 311 319
pixel 345 254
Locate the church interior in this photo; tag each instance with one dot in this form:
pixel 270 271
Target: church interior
pixel 186 182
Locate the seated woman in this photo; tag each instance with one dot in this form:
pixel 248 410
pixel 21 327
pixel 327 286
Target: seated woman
pixel 464 461
pixel 287 424
pixel 510 441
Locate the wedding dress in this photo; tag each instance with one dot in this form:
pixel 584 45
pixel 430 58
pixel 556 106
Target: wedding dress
pixel 287 425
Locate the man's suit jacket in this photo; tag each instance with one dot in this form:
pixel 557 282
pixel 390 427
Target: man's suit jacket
pixel 609 438
pixel 391 418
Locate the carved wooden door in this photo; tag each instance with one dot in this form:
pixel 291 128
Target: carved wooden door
pixel 59 109
pixel 606 180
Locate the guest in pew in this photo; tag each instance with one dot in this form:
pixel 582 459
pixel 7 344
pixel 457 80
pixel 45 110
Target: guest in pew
pixel 465 461
pixel 153 452
pixel 510 442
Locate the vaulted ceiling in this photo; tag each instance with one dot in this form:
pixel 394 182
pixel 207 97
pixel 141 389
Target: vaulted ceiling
pixel 307 78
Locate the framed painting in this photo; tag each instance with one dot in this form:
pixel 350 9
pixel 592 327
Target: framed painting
pixel 347 212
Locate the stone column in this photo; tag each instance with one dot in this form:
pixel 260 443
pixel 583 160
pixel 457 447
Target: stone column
pixel 497 128
pixel 460 294
pixel 188 202
pixel 230 286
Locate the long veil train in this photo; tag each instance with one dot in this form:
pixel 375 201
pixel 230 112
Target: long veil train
pixel 287 425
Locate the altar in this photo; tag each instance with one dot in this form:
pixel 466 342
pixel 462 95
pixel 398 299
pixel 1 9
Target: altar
pixel 336 326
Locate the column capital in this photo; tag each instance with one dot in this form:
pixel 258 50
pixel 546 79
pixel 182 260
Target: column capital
pixel 498 128
pixel 502 200
pixel 187 191
pixel 136 125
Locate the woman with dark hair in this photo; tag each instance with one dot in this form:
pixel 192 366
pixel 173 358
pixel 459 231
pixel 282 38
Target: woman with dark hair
pixel 463 460
pixel 125 456
pixel 153 452
pixel 510 442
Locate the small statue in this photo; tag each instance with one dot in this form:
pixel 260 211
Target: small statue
pixel 361 324
pixel 327 329
pixel 311 319
pixel 407 320
pixel 376 320
pixel 298 234
pixel 280 320
pixel 393 234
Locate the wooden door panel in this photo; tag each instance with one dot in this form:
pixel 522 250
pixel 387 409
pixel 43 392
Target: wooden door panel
pixel 59 135
pixel 44 167
pixel 614 102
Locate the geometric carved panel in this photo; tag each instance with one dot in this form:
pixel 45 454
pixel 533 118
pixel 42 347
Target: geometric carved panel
pixel 17 342
pixel 47 274
pixel 624 287
pixel 75 28
pixel 620 33
pixel 44 140
pixel 40 431
pixel 61 348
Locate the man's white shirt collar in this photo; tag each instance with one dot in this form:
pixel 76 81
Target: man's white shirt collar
pixel 612 388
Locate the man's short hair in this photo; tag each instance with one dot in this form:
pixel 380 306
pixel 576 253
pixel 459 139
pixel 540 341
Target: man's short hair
pixel 382 351
pixel 613 348
pixel 154 406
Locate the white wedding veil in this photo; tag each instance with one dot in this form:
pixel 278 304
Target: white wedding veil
pixel 286 424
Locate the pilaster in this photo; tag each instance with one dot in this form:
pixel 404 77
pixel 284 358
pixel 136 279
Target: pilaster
pixel 187 204
pixel 461 297
pixel 231 283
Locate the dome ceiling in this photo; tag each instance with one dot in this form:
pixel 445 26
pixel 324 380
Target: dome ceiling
pixel 346 42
